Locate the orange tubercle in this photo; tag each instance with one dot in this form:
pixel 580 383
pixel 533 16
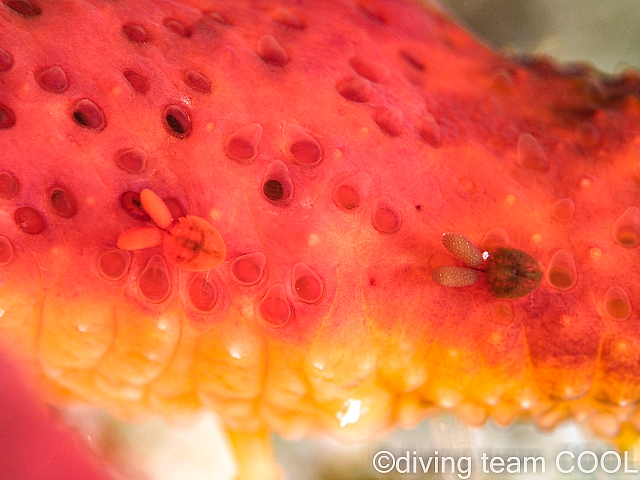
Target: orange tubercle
pixel 138 238
pixel 156 208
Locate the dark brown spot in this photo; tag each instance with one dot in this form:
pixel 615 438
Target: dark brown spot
pixel 273 190
pixel 136 33
pixel 88 115
pixel 177 121
pixel 137 81
pixel 29 220
pixel 511 273
pixel 131 203
pixel 63 203
pixel 277 186
pixel 7 117
pixel 23 7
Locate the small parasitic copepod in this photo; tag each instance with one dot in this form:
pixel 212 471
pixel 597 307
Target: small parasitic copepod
pixel 190 242
pixel 509 273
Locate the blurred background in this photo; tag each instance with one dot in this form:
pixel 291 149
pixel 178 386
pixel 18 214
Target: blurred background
pixel 604 33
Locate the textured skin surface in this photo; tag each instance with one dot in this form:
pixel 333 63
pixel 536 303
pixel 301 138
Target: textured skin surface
pixel 331 145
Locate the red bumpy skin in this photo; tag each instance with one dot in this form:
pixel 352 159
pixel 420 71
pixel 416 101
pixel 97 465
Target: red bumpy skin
pixel 332 146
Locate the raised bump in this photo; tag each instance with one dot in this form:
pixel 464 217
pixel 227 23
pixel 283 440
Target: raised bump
pixel 274 309
pixel 53 79
pixel 303 148
pixel 351 194
pixel 385 217
pixel 563 210
pixel 138 82
pixel 202 292
pixel 462 248
pixel 138 238
pixel 429 130
pixel 626 230
pixel 29 220
pixel 23 7
pixel 561 273
pixel 7 117
pixel 154 282
pixel 175 207
pixel 132 160
pixel 218 17
pixel 530 153
pixel 195 245
pixel 177 121
pixel 271 51
pixel 617 305
pixel 390 121
pixel 177 27
pixel 114 264
pixel 450 276
pixel 8 185
pixel 6 251
pixel 63 202
pixel 277 186
pixel 369 69
pixel 136 33
pixel 242 145
pixel 307 285
pixel 287 17
pixel 373 11
pixel 355 89
pixel 511 273
pixel 248 269
pixel 197 81
pixel 412 59
pixel 88 115
pixel 6 60
pixel 156 208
